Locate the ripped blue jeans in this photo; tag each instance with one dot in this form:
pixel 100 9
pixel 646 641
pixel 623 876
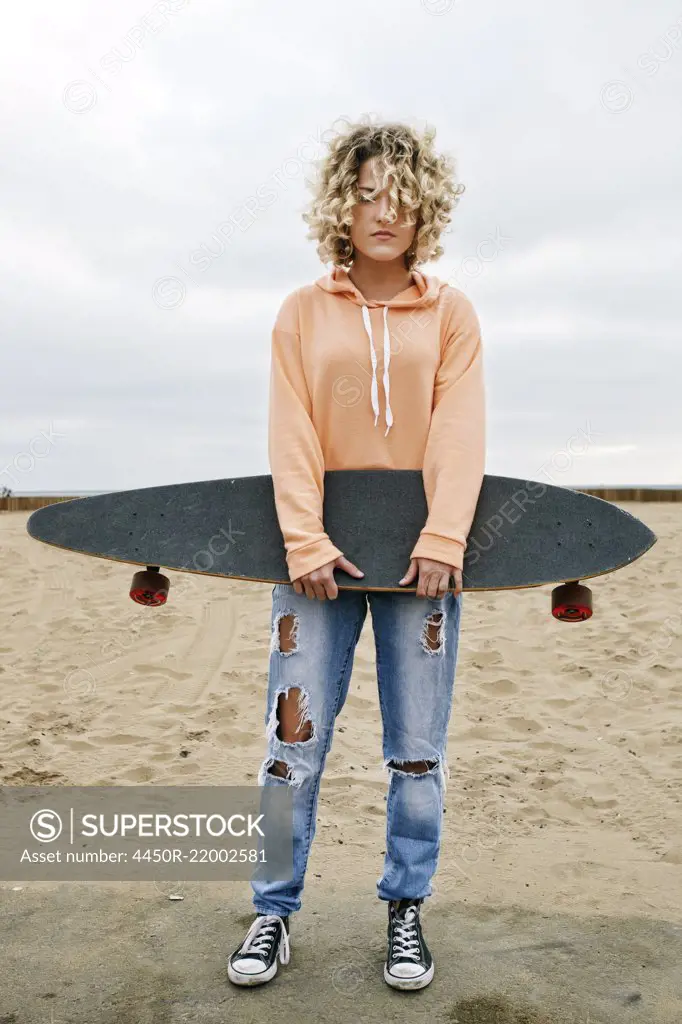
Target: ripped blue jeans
pixel 416 652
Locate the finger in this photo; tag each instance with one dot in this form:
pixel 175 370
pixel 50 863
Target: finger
pixel 432 584
pixel 320 592
pixel 438 583
pixel 309 592
pixel 297 587
pixel 409 575
pixel 349 567
pixel 421 584
pixel 330 586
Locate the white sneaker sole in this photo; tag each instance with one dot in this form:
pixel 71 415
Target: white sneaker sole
pixel 409 983
pixel 238 978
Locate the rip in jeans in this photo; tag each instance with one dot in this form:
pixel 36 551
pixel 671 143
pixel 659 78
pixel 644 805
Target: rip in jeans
pixel 432 637
pixel 300 735
pixel 279 642
pixel 410 768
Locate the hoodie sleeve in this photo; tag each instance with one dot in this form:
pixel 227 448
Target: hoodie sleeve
pixel 454 459
pixel 294 450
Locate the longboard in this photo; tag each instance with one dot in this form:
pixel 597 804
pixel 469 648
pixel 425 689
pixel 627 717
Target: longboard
pixel 524 533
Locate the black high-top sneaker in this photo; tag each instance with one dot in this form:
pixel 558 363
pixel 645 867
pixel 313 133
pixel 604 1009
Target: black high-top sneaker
pixel 255 961
pixel 409 963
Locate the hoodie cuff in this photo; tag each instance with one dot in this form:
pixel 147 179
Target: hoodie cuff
pixel 310 557
pixel 441 549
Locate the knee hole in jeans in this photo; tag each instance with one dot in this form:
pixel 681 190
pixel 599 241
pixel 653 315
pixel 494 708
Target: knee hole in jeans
pixel 290 723
pixel 432 634
pixel 413 767
pixel 293 724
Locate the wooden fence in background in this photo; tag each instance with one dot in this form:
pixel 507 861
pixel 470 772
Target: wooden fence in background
pixel 634 493
pixel 28 504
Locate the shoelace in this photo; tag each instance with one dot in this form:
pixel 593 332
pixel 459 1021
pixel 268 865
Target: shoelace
pixel 405 935
pixel 261 934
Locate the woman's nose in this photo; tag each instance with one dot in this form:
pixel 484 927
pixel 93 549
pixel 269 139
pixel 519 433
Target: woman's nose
pixel 383 208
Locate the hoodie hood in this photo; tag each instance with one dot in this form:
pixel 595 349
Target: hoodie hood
pixel 424 290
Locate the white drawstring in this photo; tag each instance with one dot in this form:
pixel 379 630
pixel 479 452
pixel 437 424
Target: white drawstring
pixel 387 359
pixel 373 389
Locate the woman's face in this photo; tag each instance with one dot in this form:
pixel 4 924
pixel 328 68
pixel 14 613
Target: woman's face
pixel 370 217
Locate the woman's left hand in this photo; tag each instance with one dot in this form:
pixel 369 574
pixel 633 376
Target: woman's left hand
pixel 434 577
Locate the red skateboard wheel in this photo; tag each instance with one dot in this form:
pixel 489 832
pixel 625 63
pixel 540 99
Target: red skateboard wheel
pixel 572 602
pixel 149 587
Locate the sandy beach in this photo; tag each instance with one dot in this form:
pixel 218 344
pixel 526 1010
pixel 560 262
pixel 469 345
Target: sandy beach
pixel 558 896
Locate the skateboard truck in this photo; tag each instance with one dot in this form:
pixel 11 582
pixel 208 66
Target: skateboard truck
pixel 572 602
pixel 150 587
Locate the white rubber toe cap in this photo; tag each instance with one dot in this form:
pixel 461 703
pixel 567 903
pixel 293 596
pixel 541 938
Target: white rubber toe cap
pixel 247 965
pixel 407 970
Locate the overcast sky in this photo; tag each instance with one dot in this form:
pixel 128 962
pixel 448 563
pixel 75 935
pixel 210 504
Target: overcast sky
pixel 135 132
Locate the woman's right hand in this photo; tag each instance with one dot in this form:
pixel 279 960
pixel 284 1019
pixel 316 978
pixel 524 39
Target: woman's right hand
pixel 320 583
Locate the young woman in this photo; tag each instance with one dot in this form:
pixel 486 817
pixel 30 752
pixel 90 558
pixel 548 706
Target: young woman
pixel 381 203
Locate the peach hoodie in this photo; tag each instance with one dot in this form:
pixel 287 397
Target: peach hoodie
pixel 324 409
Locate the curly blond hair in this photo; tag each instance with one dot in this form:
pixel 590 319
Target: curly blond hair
pixel 423 183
